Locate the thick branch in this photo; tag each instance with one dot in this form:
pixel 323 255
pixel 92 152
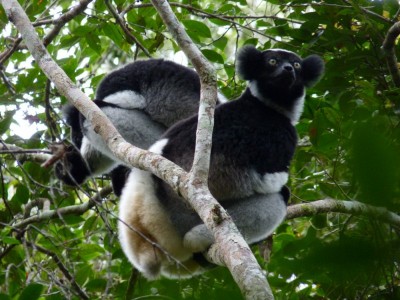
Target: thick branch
pixel 389 49
pixel 339 206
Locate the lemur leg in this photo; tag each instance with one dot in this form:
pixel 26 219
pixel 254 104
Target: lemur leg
pixel 256 218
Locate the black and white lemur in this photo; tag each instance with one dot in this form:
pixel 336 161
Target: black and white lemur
pixel 254 141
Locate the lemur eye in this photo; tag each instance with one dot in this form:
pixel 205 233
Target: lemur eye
pixel 272 62
pixel 297 65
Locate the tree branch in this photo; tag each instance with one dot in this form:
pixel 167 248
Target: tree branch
pixel 35 155
pixel 339 206
pixel 230 248
pixel 388 47
pixel 65 211
pixel 123 150
pixel 62 20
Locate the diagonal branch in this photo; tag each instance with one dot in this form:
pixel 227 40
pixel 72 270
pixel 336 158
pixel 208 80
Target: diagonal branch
pixel 230 248
pixel 64 211
pixel 208 93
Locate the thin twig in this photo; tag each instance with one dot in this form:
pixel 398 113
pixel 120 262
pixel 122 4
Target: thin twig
pixel 64 211
pixel 204 14
pixel 51 124
pixel 79 291
pixel 131 38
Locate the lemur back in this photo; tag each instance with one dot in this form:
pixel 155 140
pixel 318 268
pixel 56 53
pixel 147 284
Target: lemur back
pixel 142 100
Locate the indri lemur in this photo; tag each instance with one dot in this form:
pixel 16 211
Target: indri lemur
pixel 253 143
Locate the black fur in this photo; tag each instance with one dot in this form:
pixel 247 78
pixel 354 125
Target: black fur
pixel 247 135
pixel 312 69
pixel 118 177
pixel 73 168
pixel 72 118
pixel 249 62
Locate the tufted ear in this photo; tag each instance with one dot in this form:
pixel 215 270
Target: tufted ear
pixel 312 69
pixel 249 62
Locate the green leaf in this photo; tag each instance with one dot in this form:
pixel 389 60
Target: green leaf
pixel 31 292
pixel 252 41
pixel 94 42
pixel 21 194
pixel 6 121
pixel 70 220
pixel 114 33
pixel 213 56
pixel 10 240
pixel 4 297
pixel 197 28
pixel 376 163
pixel 221 43
pixel 90 251
pixel 96 285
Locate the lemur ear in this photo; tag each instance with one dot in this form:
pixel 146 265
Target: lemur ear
pixel 249 62
pixel 312 69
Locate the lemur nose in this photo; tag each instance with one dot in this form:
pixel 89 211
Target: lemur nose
pixel 288 68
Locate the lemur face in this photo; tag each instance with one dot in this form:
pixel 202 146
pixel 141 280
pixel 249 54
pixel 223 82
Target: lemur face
pixel 278 68
pixel 282 68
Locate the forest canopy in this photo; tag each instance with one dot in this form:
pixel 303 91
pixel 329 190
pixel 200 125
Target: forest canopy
pixel 341 236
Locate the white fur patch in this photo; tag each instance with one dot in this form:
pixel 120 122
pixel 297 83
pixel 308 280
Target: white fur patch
pixel 297 109
pixel 272 182
pixel 85 147
pixel 158 146
pixel 222 98
pixel 126 99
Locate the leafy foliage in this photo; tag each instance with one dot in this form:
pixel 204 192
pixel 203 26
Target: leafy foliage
pixel 349 148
